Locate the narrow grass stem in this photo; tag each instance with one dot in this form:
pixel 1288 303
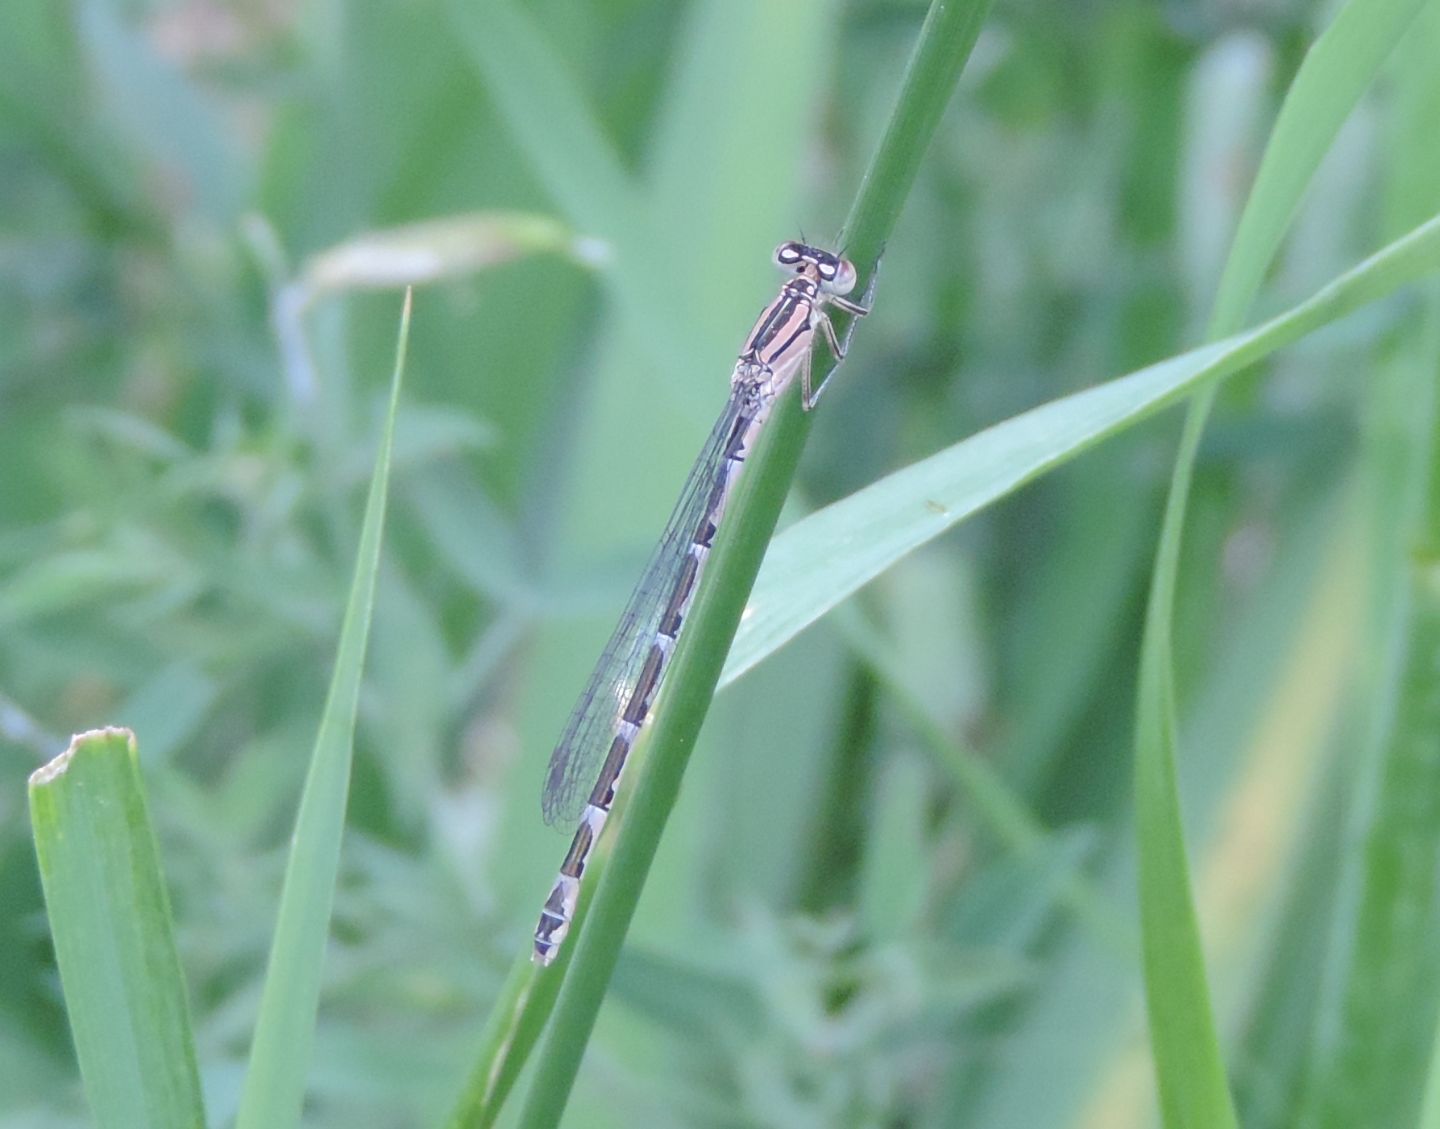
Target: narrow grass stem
pixel 944 44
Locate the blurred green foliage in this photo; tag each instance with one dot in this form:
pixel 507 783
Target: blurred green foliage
pixel 190 401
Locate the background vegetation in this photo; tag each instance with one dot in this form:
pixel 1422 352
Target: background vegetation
pixel 846 925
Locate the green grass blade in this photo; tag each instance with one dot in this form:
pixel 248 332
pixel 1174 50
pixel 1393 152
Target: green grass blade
pixel 824 558
pixel 1429 1117
pixel 550 119
pixel 548 116
pixel 1337 70
pixel 1389 1004
pixel 782 48
pixel 1189 1067
pixel 110 921
pixel 895 871
pixel 168 118
pixel 766 117
pixel 992 798
pixel 945 42
pixel 516 1020
pixel 660 758
pixel 943 48
pixel 1378 1016
pixel 1430 1105
pixel 274 1088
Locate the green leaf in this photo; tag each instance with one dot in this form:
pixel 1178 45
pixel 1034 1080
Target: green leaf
pixel 110 922
pixel 1389 1012
pixel 1337 70
pixel 1380 1013
pixel 1191 1074
pixel 824 558
pixel 274 1088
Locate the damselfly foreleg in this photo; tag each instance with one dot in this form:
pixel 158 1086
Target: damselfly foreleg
pixel 810 396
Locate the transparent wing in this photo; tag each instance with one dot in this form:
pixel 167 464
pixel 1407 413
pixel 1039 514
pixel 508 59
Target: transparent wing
pixel 576 761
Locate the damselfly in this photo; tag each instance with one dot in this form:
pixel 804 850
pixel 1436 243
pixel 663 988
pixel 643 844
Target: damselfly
pixel 621 692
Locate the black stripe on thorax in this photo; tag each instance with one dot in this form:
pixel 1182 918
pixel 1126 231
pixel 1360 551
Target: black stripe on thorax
pixel 798 296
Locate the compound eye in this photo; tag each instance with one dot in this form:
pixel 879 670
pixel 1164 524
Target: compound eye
pixel 787 255
pixel 838 276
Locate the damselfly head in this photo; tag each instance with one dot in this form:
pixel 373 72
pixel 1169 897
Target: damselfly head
pixel 835 275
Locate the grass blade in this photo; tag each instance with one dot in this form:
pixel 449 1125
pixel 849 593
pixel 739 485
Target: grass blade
pixel 1378 1014
pixel 548 115
pixel 516 1020
pixel 110 921
pixel 1190 1072
pixel 1389 1002
pixel 1337 70
pixel 274 1087
pixel 944 44
pixel 826 557
pixel 169 118
pixel 550 119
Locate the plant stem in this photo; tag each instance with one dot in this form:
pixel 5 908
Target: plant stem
pixel 945 41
